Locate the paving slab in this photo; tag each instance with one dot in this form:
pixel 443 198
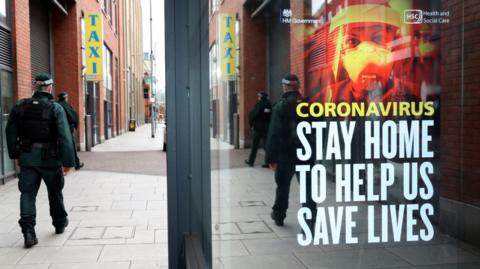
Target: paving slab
pixel 241 205
pixel 135 252
pixel 65 254
pixel 108 229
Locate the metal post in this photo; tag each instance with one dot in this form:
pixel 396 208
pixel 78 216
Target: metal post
pixel 151 74
pixel 88 133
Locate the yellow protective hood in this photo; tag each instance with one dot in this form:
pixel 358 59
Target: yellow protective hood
pixel 366 13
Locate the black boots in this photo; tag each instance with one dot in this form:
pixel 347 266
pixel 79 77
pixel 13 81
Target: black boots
pixel 278 220
pixel 30 239
pixel 79 166
pixel 61 229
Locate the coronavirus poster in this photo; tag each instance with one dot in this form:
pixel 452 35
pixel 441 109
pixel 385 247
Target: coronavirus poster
pixel 369 132
pixel 390 147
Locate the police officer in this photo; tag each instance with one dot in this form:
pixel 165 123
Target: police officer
pixel 259 118
pixel 39 139
pixel 282 142
pixel 72 118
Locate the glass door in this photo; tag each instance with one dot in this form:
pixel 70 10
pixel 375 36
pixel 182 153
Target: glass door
pixel 358 134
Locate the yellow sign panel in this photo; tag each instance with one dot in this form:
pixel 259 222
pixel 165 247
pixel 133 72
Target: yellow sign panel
pixel 94 46
pixel 227 46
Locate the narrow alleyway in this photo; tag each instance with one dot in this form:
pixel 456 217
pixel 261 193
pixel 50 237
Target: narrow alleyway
pixel 117 209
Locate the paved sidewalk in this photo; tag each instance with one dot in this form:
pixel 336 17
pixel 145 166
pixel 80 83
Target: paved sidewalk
pixel 117 220
pixel 244 236
pixel 139 140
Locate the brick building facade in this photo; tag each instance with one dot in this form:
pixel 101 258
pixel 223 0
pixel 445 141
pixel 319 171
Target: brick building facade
pixel 251 46
pixel 132 62
pixel 105 101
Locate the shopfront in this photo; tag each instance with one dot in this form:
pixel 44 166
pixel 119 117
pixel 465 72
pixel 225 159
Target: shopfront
pixel 380 141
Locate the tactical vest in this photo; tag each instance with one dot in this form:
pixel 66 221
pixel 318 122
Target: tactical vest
pixel 292 121
pixel 265 114
pixel 36 124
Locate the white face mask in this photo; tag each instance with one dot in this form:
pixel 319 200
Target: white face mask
pixel 365 56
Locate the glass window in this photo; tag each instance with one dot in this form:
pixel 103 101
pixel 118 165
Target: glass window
pixel 5 12
pixel 114 16
pixel 7 105
pixel 107 7
pixel 213 6
pixel 366 113
pixel 107 73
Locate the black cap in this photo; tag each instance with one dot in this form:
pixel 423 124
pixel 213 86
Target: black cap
pixel 43 79
pixel 62 95
pixel 290 79
pixel 262 94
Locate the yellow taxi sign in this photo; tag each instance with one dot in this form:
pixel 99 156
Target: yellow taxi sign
pixel 94 46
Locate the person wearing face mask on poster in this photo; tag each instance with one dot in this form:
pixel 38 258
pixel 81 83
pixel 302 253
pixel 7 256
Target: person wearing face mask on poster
pixel 373 54
pixel 370 57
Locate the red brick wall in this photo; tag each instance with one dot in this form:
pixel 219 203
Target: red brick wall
pixel 21 48
pixel 460 156
pixel 253 67
pixel 67 61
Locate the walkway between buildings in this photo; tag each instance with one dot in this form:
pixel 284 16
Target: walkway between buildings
pixel 244 236
pixel 117 209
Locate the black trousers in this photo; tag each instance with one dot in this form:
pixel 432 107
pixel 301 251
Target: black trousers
pixel 257 137
pixel 283 178
pixel 29 181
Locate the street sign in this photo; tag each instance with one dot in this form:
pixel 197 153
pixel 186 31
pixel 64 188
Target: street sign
pixel 94 46
pixel 227 46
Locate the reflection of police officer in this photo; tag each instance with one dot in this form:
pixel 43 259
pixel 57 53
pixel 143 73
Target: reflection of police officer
pixel 259 119
pixel 282 142
pixel 38 136
pixel 72 118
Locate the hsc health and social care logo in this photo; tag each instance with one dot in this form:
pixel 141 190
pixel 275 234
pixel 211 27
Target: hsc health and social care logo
pixel 413 16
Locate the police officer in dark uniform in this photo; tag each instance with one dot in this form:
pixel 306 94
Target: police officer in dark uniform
pixel 39 139
pixel 73 120
pixel 259 118
pixel 282 142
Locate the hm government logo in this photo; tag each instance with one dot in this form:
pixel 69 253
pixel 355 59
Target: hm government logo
pixel 413 16
pixel 287 13
pixel 286 16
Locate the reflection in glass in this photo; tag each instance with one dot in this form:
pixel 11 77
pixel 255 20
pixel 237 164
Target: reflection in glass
pixel 7 104
pixel 3 12
pixel 372 78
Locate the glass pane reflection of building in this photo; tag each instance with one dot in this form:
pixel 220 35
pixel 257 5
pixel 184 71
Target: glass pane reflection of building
pixel 403 73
